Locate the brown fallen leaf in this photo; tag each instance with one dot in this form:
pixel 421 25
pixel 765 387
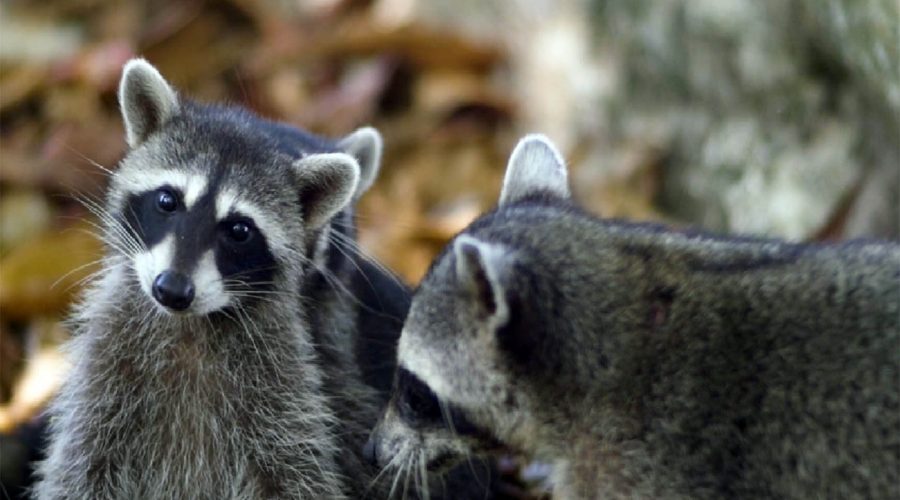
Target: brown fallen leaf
pixel 19 84
pixel 357 36
pixel 442 223
pixel 350 103
pixel 41 277
pixel 64 159
pixel 44 372
pixel 12 352
pixel 199 51
pixel 620 182
pixel 97 67
pixel 441 91
pixel 24 213
pixel 72 103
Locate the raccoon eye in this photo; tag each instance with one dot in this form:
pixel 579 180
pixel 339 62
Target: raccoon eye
pixel 239 232
pixel 166 201
pixel 417 402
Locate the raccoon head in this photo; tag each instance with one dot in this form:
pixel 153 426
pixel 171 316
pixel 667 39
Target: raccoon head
pixel 213 207
pixel 474 324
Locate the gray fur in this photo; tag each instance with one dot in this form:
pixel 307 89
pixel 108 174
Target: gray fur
pixel 653 363
pixel 184 408
pixel 265 400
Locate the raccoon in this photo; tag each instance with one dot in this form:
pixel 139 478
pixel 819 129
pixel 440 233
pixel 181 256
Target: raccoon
pixel 205 361
pixel 647 362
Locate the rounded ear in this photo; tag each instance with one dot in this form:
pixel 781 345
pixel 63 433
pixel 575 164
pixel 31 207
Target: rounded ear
pixel 535 167
pixel 479 266
pixel 327 183
pixel 365 145
pixel 146 99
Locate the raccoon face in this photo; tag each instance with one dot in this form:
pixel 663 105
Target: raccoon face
pixel 420 431
pixel 200 250
pixel 452 395
pixel 214 208
pixel 472 331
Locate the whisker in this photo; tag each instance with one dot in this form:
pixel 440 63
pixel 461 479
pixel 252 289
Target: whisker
pixel 75 270
pixel 445 412
pixel 424 490
pixel 113 226
pixel 340 289
pixel 386 468
pixel 411 464
pixel 89 160
pixel 397 475
pixel 353 246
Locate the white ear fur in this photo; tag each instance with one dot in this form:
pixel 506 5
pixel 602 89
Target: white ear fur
pixel 478 268
pixel 535 166
pixel 146 99
pixel 327 183
pixel 365 145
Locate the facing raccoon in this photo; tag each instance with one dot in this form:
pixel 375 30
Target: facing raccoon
pixel 651 363
pixel 202 365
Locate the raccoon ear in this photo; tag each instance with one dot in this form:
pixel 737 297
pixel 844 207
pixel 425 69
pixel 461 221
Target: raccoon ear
pixel 327 183
pixel 535 166
pixel 479 266
pixel 365 145
pixel 146 99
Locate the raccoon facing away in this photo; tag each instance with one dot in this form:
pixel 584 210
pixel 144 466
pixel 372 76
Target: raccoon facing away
pixel 204 363
pixel 647 362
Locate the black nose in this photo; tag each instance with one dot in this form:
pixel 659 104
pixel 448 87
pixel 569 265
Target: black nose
pixel 370 451
pixel 173 290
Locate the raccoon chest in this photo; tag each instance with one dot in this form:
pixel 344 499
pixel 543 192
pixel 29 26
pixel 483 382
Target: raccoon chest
pixel 163 408
pixel 164 437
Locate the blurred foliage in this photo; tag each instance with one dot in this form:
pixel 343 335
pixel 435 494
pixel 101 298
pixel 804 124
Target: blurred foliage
pixel 777 117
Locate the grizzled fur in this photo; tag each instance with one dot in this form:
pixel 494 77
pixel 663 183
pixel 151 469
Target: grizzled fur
pixel 262 397
pixel 648 362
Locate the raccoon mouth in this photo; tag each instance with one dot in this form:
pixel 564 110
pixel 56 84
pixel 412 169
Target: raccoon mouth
pixel 442 463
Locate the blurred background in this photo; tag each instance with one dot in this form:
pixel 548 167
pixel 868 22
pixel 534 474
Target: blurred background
pixel 770 117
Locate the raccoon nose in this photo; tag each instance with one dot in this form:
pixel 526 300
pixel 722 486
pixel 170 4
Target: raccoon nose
pixel 173 290
pixel 370 451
